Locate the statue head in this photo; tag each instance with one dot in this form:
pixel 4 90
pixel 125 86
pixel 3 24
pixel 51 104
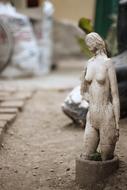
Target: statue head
pixel 95 43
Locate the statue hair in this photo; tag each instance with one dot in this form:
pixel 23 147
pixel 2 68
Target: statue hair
pixel 97 40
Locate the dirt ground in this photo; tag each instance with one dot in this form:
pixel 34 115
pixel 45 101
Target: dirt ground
pixel 40 148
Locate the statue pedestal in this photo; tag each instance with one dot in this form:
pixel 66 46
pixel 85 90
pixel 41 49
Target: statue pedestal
pixel 91 173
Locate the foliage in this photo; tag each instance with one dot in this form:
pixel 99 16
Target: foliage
pixel 111 40
pixel 96 156
pixel 84 47
pixel 85 25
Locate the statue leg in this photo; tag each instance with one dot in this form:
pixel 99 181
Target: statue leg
pixel 107 152
pixel 91 139
pixel 108 141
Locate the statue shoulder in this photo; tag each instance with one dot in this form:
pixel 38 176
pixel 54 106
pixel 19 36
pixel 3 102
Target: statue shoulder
pixel 87 62
pixel 109 63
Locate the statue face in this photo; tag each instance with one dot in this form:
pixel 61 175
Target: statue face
pixel 94 42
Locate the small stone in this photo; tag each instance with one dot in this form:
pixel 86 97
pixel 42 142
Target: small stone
pixel 2 145
pixel 61 162
pixel 11 133
pixel 59 178
pixel 51 170
pixel 36 167
pixel 68 169
pixel 48 179
pixel 42 150
pixel 16 171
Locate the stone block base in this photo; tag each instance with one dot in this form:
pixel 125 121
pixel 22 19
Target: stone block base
pixel 91 173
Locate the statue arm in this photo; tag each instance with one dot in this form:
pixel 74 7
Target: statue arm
pixel 84 86
pixel 114 93
pixel 82 90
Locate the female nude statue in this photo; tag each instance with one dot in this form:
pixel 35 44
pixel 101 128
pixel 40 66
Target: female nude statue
pixel 99 87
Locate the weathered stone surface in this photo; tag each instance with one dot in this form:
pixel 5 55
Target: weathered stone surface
pixel 8 89
pixel 3 123
pixel 7 117
pixel 65 38
pixel 91 174
pixel 12 104
pixel 22 95
pixel 17 96
pixel 4 94
pixel 8 110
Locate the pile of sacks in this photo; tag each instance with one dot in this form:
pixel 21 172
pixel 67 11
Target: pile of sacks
pixel 25 58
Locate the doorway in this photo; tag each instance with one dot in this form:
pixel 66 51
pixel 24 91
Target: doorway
pixel 32 3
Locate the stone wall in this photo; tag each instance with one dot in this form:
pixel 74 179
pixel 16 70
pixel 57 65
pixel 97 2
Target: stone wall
pixel 65 39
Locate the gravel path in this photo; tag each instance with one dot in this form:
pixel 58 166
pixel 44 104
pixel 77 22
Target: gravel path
pixel 40 147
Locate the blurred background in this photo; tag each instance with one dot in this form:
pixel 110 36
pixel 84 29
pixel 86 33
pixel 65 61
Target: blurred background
pixel 42 56
pixel 42 41
pixel 58 27
pixel 99 11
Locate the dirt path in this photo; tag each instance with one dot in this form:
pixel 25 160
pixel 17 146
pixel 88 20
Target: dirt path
pixel 40 149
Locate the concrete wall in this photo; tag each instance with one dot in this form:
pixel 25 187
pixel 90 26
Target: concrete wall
pixel 74 9
pixel 68 9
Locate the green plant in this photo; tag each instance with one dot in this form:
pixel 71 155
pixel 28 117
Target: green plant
pixel 111 41
pixel 96 156
pixel 85 25
pixel 84 47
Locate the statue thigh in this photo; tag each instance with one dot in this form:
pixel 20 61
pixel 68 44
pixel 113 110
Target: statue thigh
pixel 91 138
pixel 108 140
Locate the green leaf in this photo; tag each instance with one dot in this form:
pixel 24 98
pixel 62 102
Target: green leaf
pixel 84 47
pixel 96 156
pixel 86 25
